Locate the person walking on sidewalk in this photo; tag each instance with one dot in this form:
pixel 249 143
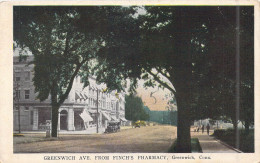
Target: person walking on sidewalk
pixel 208 127
pixel 202 129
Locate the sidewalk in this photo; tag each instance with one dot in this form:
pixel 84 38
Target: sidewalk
pixel 210 145
pixel 35 136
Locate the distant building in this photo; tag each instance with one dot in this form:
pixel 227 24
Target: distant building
pixel 78 112
pixel 216 124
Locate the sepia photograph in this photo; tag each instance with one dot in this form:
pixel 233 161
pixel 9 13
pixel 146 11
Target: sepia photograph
pixel 133 82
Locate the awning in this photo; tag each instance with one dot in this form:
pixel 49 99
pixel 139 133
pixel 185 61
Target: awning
pixel 92 111
pixel 82 95
pixel 86 96
pixel 106 116
pixel 77 96
pixel 114 118
pixel 123 119
pixel 85 116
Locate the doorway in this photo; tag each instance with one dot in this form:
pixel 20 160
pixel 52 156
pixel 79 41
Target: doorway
pixel 63 120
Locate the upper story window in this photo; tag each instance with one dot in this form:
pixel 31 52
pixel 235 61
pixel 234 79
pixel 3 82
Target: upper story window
pixel 17 78
pixel 27 75
pixel 26 108
pixel 27 94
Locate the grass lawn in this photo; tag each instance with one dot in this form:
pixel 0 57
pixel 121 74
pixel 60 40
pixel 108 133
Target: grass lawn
pixel 195 146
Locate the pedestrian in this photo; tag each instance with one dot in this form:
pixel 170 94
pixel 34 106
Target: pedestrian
pixel 202 129
pixel 208 127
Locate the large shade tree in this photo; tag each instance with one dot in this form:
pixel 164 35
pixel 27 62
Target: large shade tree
pixel 182 49
pixel 63 46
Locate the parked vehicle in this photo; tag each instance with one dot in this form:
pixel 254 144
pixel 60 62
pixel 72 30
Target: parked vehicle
pixel 137 124
pixel 112 127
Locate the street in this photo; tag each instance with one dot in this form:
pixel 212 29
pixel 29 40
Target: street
pixel 150 139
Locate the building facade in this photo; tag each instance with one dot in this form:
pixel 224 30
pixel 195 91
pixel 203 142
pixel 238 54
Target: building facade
pixel 80 111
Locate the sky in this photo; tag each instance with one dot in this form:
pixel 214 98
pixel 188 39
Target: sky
pixel 159 99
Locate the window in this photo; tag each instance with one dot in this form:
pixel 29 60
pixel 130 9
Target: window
pixel 27 94
pixel 26 108
pixel 17 78
pixel 17 94
pixel 27 75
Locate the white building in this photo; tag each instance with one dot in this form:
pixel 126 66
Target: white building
pixel 78 112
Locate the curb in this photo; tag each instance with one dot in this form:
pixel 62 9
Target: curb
pixel 230 147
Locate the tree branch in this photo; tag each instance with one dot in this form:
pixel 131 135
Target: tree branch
pixel 63 97
pixel 156 78
pixel 164 74
pixel 66 45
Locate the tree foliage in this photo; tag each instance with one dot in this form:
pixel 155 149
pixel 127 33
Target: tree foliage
pixel 64 42
pixel 134 109
pixel 202 54
pixel 192 51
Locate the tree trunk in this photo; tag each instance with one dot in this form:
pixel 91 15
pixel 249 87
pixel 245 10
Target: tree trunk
pixel 54 111
pixel 246 127
pixel 54 120
pixel 183 124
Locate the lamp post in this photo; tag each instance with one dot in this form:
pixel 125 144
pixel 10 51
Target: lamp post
pixel 102 90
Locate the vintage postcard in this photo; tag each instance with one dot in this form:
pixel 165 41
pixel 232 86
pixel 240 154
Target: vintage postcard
pixel 129 81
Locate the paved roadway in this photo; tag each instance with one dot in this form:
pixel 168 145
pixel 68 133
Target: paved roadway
pixel 150 139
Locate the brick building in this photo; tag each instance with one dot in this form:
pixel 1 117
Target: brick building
pixel 78 112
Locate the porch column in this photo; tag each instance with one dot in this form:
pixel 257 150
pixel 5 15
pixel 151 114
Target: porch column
pixel 71 126
pixel 59 121
pixel 35 119
pixel 100 120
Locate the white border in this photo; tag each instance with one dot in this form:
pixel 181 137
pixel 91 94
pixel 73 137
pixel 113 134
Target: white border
pixel 6 86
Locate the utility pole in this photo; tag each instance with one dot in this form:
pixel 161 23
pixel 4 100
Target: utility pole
pixel 97 110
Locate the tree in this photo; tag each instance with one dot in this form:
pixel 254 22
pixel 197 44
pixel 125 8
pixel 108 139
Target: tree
pixel 229 81
pixel 182 49
pixel 64 42
pixel 60 51
pixel 134 108
pixel 162 47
